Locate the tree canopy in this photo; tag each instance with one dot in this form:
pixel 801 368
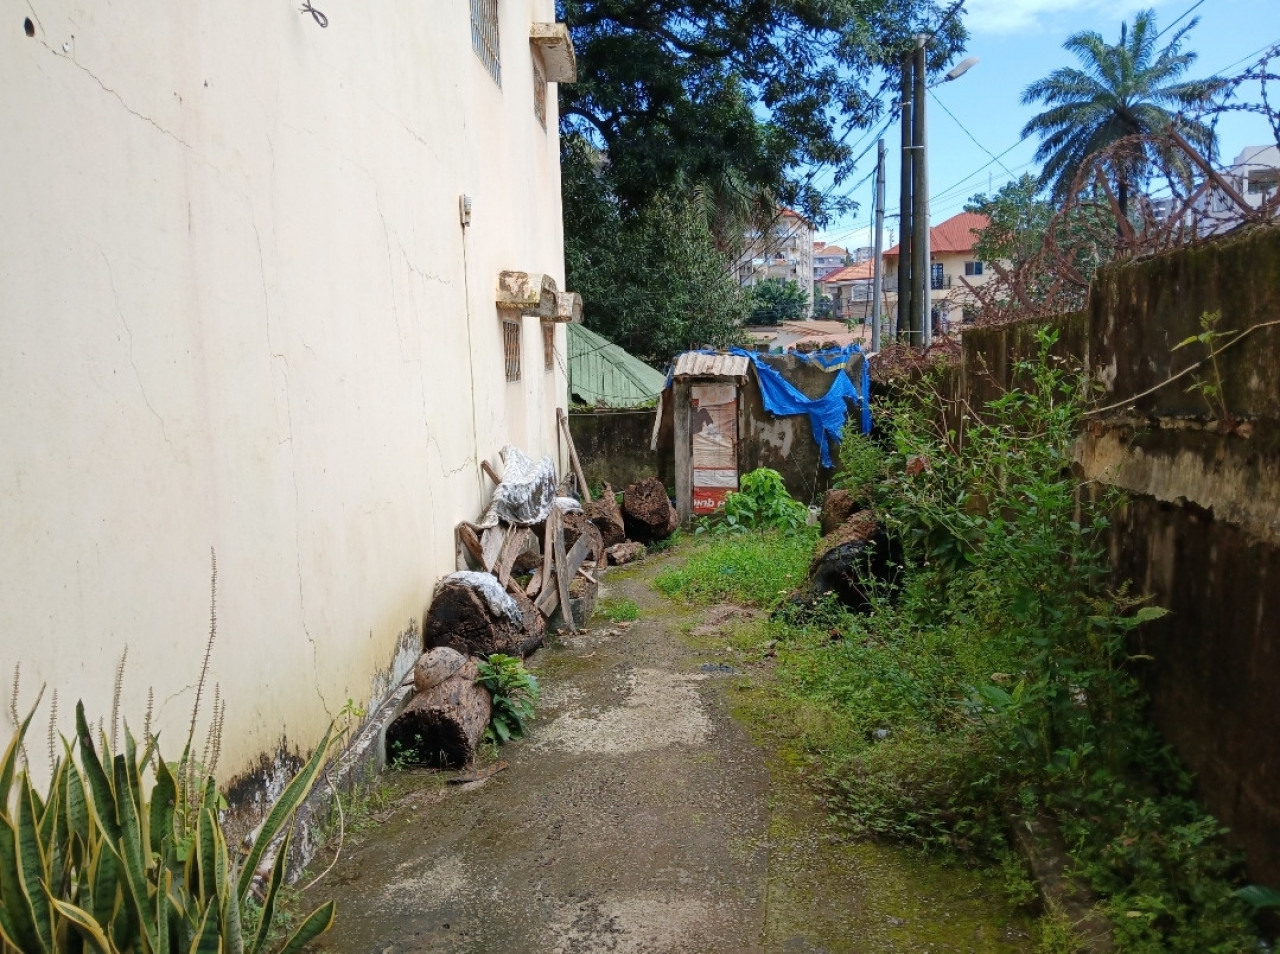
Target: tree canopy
pixel 737 98
pixel 774 301
pixel 1121 90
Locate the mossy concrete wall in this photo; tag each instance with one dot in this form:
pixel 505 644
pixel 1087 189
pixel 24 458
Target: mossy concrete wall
pixel 614 446
pixel 1199 527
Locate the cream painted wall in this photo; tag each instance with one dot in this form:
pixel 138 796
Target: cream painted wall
pixel 238 311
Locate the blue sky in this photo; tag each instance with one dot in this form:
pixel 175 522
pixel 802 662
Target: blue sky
pixel 1017 42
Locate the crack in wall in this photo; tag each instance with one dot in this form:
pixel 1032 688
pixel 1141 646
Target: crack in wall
pixel 137 372
pixel 118 98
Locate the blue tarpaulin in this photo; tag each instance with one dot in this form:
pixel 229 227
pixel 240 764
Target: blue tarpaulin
pixel 827 413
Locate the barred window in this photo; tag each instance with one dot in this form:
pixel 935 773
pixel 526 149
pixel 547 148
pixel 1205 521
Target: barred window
pixel 511 348
pixel 539 90
pixel 549 345
pixel 484 36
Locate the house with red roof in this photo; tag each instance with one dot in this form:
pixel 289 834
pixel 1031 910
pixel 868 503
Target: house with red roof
pixel 952 265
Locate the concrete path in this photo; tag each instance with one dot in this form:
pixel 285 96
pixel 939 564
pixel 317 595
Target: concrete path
pixel 638 816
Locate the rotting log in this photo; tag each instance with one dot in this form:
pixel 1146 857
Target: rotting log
pixel 577 527
pixel 607 517
pixel 460 617
pixel 442 724
pixel 851 562
pixel 647 511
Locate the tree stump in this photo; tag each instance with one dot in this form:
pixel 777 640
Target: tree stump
pixel 444 722
pixel 647 512
pixel 607 517
pixel 477 618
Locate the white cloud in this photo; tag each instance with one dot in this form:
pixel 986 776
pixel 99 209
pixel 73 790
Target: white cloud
pixel 1030 16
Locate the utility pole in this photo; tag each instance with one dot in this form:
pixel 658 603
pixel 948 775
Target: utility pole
pixel 922 279
pixel 877 272
pixel 905 286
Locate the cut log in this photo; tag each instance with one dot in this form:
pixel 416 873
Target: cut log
pixel 837 507
pixel 435 666
pixel 607 517
pixel 477 621
pixel 851 563
pixel 647 512
pixel 443 724
pixel 578 527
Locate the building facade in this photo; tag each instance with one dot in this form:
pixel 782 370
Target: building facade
pixel 783 250
pixel 274 286
pixel 953 265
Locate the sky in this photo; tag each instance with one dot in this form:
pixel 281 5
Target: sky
pixel 1018 42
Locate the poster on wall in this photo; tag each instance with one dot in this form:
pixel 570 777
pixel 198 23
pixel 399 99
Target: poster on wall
pixel 713 424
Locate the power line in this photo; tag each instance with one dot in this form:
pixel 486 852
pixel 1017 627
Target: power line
pixel 1175 22
pixel 965 130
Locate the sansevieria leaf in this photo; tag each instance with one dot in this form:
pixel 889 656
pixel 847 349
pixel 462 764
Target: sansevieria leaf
pixel 104 799
pixel 16 922
pixel 10 761
pixel 88 929
pixel 317 922
pixel 32 873
pixel 282 812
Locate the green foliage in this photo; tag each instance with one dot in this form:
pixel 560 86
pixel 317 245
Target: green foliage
pixel 1122 90
pixel 515 693
pixel 1001 680
pixel 862 460
pixel 761 502
pixel 1210 386
pixel 733 98
pixel 754 570
pixel 652 278
pixel 119 855
pixel 1019 221
pixel 774 301
pixel 619 610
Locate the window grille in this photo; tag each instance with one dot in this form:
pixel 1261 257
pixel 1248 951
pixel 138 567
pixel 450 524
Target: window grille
pixel 511 348
pixel 539 90
pixel 484 36
pixel 549 346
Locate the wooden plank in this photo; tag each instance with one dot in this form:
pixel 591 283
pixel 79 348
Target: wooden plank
pixel 549 599
pixel 582 572
pixel 468 538
pixel 562 579
pixel 535 584
pixel 491 542
pixel 577 556
pixel 573 455
pixel 553 521
pixel 512 547
pixel 488 469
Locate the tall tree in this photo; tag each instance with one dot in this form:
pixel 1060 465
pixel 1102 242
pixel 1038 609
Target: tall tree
pixel 1121 90
pixel 737 97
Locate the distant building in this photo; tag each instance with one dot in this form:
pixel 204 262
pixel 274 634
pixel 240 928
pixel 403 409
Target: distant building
pixel 849 289
pixel 827 259
pixel 1255 175
pixel 952 265
pixel 783 250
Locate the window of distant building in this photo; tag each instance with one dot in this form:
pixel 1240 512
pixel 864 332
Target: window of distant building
pixel 1263 180
pixel 973 268
pixel 484 36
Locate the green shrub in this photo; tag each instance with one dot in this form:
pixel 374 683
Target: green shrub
pixel 619 610
pixel 515 693
pixel 761 502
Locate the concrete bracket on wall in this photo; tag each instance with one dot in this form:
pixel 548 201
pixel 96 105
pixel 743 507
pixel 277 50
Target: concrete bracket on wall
pixel 568 308
pixel 553 43
pixel 529 293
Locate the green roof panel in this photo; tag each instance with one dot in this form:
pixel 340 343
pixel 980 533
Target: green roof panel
pixel 601 373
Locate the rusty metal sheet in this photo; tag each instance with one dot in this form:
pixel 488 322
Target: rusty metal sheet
pixel 694 364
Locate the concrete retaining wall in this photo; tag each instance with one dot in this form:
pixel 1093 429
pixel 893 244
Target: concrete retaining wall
pixel 1200 526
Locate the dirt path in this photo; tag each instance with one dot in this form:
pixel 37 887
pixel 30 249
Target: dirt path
pixel 639 816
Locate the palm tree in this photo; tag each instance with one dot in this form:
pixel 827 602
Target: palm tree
pixel 1122 90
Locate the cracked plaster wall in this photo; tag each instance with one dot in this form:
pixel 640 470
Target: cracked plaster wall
pixel 237 310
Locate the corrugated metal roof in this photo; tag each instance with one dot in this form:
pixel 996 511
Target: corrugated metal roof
pixel 696 364
pixel 602 373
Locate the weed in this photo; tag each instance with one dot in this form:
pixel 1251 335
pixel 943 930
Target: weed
pixel 515 692
pixel 668 543
pixel 755 570
pixel 761 502
pixel 619 610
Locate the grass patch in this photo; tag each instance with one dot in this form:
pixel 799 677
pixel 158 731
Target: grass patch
pixel 755 569
pixel 619 610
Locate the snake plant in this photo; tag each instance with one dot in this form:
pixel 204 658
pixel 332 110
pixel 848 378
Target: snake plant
pixel 118 856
